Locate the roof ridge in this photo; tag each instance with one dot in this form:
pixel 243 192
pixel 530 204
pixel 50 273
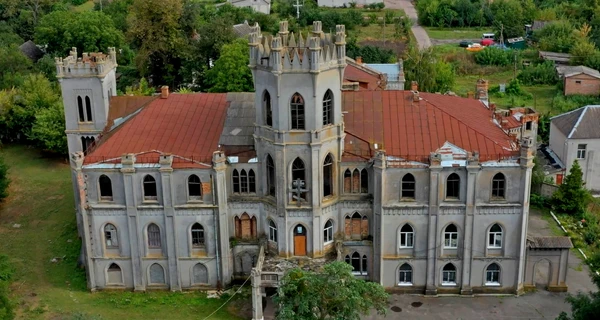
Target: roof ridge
pixel 566 113
pixel 467 125
pixel 578 121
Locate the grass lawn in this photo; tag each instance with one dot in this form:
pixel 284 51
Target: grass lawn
pixel 374 32
pixel 41 201
pixel 456 33
pixel 88 6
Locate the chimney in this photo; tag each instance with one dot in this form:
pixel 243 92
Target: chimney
pixel 470 95
pixel 414 86
pixel 415 96
pixel 359 60
pixel 164 92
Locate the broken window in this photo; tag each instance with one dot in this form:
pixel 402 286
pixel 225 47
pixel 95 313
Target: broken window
pixel 453 186
pixel 105 188
pixel 197 235
pixel 149 188
pixel 194 188
pixel 268 109
pixel 328 176
pixel 297 112
pixel 498 186
pixel 328 108
pixel 110 236
pixel 408 187
pixel 270 176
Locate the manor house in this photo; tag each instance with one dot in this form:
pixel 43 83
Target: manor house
pixel 421 192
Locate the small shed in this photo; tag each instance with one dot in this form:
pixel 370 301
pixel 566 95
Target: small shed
pixel 579 80
pixel 31 51
pixel 556 57
pixel 516 43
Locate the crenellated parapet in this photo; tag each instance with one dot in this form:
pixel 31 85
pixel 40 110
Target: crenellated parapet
pixel 287 52
pixel 96 64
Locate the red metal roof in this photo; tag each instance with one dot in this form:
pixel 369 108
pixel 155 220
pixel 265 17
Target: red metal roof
pixel 185 125
pixel 412 130
pixel 367 80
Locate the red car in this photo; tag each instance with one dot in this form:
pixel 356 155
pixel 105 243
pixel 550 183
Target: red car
pixel 487 42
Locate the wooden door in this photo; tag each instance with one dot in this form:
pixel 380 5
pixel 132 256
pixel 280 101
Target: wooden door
pixel 299 240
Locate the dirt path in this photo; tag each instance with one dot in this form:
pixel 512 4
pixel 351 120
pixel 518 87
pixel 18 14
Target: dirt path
pixel 420 34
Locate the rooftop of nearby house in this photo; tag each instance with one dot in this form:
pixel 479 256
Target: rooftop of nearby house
pixel 366 77
pixel 568 71
pixel 582 123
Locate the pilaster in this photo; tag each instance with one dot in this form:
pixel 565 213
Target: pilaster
pixel 166 171
pixel 473 169
pixel 432 231
pixel 526 162
pixel 257 307
pixel 220 190
pixel 136 236
pixel 377 230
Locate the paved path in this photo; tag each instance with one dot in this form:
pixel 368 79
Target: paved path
pixel 420 34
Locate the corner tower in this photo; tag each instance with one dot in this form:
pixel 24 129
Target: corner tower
pixel 299 129
pixel 87 83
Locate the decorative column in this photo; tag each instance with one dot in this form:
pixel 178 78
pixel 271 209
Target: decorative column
pixel 136 236
pixel 220 190
pixel 473 169
pixel 257 307
pixel 526 162
pixel 166 171
pixel 377 229
pixel 435 168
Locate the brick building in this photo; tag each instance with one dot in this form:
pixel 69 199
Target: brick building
pixel 579 80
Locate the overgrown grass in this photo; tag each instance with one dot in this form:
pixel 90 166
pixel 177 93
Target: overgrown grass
pixel 88 6
pixel 37 224
pixel 456 33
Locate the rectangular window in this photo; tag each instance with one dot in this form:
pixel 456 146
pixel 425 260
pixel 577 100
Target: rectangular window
pixel 449 277
pixel 495 240
pixel 492 277
pixel 406 240
pixel 528 125
pixel 578 81
pixel 451 240
pixel 405 277
pixel 581 151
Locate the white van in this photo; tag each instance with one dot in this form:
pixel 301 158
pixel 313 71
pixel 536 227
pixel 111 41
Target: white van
pixel 488 36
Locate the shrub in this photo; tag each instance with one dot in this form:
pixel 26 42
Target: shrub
pixel 542 73
pixel 494 57
pixel 4 182
pixel 372 18
pixel 590 236
pixel 539 201
pixel 78 2
pixel 389 17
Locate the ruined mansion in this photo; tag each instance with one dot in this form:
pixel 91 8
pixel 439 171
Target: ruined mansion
pixel 421 192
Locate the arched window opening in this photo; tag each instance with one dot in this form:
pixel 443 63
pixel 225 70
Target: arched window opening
pixel 356 263
pixel 149 188
pixel 347 181
pixel 451 237
pixel 406 236
pixel 80 109
pixel 359 265
pixel 328 108
pixel 244 181
pixel 299 177
pixel 105 188
pixel 328 232
pixel 236 181
pixel 453 186
pixel 157 274
pixel 154 241
pixel 200 274
pixel 115 275
pixel 245 227
pixel 268 109
pixel 251 181
pixel 449 274
pixel 364 181
pixel 408 186
pixel 88 108
pixel 272 231
pixel 495 237
pixel 194 187
pixel 197 235
pixel 297 112
pixel 270 175
pixel 356 181
pixel 492 274
pixel 328 176
pixel 498 186
pixel 405 274
pixel 86 143
pixel 111 238
pixel 364 227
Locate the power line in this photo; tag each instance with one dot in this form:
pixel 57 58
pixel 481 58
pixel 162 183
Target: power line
pixel 233 295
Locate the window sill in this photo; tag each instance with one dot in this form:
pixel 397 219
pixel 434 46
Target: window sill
pixel 449 284
pixel 195 201
pixel 495 248
pixel 492 284
pixel 106 200
pixel 150 205
pixel 404 248
pixel 327 242
pixel 359 273
pixel 451 248
pixel 408 200
pixel 405 284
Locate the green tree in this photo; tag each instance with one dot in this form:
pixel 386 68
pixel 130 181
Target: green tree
pixel 585 306
pixel 431 73
pixel 571 197
pixel 88 31
pixel 556 36
pixel 117 10
pixel 49 129
pixel 231 72
pixel 581 51
pixel 333 293
pixel 508 18
pixel 6 269
pixel 4 182
pixel 14 65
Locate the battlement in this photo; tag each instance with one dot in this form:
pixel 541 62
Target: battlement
pixel 95 64
pixel 285 52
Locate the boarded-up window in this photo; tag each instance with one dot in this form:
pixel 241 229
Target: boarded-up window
pixel 347 181
pixel 157 274
pixel 245 227
pixel 200 274
pixel 348 227
pixel 355 181
pixel 115 275
pixel 356 226
pixel 364 227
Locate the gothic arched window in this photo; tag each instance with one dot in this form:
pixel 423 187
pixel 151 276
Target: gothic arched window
pixel 297 112
pixel 270 175
pixel 80 109
pixel 299 176
pixel 267 108
pixel 194 187
pixel 328 176
pixel 105 188
pixel 328 108
pixel 88 108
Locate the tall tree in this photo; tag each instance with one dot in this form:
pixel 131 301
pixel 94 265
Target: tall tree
pixel 48 130
pixel 508 18
pixel 231 72
pixel 571 196
pixel 333 293
pixel 155 31
pixel 432 74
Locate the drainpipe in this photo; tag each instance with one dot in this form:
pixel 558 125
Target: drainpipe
pixel 215 214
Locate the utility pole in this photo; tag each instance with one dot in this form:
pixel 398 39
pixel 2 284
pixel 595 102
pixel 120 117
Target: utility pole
pixel 384 32
pixel 515 69
pixel 297 5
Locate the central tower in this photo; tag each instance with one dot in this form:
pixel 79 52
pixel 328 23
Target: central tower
pixel 299 129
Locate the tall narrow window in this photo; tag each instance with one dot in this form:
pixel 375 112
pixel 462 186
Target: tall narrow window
pixel 268 109
pixel 244 181
pixel 405 274
pixel 328 176
pixel 498 186
pixel 110 236
pixel 149 188
pixel 197 235
pixel 270 176
pixel 272 231
pixel 251 181
pixel 581 148
pixel 347 181
pixel 406 236
pixel 194 188
pixel 453 186
pixel 495 237
pixel 236 181
pixel 449 274
pixel 356 230
pixel 356 262
pixel 115 275
pixel 105 188
pixel 245 227
pixel 408 186
pixel 328 232
pixel 328 108
pixel 359 265
pixel 157 274
pixel 297 112
pixel 80 109
pixel 492 275
pixel 153 236
pixel 88 108
pixel 298 176
pixel 451 237
pixel 364 181
pixel 356 181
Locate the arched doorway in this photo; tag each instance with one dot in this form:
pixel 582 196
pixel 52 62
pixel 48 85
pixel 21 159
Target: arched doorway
pixel 542 273
pixel 299 240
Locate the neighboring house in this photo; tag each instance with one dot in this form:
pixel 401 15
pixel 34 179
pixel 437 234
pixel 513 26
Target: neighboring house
pixel 31 51
pixel 394 73
pixel 262 6
pixel 358 76
pixel 579 80
pixel 420 192
pixel 574 136
pixel 346 3
pixel 242 30
pixel 556 57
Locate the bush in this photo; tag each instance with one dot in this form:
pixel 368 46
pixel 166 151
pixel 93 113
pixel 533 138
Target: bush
pixel 542 73
pixel 561 104
pixel 78 2
pixel 4 182
pixel 539 201
pixel 494 57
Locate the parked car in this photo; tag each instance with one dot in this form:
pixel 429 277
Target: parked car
pixel 475 47
pixel 464 44
pixel 487 42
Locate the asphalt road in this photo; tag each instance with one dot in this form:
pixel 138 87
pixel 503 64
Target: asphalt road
pixel 420 34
